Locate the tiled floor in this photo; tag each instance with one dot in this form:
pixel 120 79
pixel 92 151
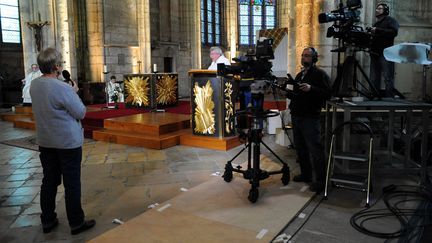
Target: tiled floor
pixel 118 181
pixel 122 181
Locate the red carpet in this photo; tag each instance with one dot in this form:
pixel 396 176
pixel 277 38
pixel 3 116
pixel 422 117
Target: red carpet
pixel 94 119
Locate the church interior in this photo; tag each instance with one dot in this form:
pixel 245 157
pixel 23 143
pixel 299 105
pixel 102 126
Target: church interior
pixel 163 158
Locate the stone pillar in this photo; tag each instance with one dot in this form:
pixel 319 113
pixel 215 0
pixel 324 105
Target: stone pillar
pixel 95 39
pixel 195 21
pixel 144 35
pixel 286 19
pixel 31 11
pixel 231 11
pixel 65 34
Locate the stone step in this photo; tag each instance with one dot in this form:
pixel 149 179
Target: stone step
pixel 152 124
pixel 26 123
pixel 10 116
pixel 138 139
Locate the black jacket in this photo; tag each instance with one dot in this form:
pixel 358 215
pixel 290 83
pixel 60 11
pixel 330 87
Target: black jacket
pixel 385 33
pixel 309 104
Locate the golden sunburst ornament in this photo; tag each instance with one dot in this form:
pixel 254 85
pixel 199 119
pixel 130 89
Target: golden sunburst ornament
pixel 138 90
pixel 229 108
pixel 204 116
pixel 166 89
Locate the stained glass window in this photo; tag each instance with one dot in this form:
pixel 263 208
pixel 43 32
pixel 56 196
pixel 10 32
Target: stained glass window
pixel 211 23
pixel 255 15
pixel 9 21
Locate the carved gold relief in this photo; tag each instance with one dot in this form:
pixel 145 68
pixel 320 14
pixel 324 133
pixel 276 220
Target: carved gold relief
pixel 229 108
pixel 138 91
pixel 166 90
pixel 204 116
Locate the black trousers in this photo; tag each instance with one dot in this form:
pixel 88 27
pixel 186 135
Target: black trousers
pixel 58 163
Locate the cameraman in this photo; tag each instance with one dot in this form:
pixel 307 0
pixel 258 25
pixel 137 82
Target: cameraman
pixel 311 90
pixel 383 33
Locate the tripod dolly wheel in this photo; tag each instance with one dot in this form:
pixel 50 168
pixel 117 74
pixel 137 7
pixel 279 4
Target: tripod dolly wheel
pixel 253 194
pixel 228 174
pixel 285 175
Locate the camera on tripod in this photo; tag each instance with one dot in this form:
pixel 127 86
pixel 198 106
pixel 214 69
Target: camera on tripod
pixel 254 65
pixel 344 27
pixel 255 74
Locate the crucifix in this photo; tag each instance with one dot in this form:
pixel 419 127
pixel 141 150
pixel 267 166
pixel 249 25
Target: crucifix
pixel 37 26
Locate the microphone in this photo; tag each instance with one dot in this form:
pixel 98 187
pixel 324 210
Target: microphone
pixel 66 75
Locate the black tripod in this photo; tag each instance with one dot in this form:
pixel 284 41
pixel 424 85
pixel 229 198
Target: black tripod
pixel 253 173
pixel 347 80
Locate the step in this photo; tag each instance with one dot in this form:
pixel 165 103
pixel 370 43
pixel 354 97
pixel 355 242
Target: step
pixel 141 140
pixel 19 109
pixel 351 156
pixel 11 116
pixel 26 123
pixel 224 144
pixel 349 179
pixel 152 124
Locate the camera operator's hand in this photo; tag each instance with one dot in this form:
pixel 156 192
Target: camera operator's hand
pixel 305 87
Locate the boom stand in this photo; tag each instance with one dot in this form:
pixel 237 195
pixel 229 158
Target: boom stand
pixel 253 173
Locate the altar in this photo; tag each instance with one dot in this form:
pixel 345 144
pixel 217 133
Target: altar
pixel 151 90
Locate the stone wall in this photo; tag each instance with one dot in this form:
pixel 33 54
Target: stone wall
pixel 130 36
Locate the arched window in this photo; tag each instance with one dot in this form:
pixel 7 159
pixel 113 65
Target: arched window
pixel 9 21
pixel 255 15
pixel 211 22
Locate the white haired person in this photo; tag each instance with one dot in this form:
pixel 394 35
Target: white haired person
pixel 35 73
pixel 217 57
pixel 58 110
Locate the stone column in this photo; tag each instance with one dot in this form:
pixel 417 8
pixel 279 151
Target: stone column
pixel 95 39
pixel 65 34
pixel 195 21
pixel 231 27
pixel 286 19
pixel 144 35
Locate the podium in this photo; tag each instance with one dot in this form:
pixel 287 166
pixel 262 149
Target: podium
pixel 151 90
pixel 212 104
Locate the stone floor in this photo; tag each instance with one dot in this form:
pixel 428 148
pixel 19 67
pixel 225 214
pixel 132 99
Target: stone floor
pixel 121 181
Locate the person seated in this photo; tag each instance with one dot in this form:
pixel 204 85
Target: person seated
pixel 115 92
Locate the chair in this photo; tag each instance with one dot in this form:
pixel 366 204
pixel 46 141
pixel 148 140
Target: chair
pixel 346 180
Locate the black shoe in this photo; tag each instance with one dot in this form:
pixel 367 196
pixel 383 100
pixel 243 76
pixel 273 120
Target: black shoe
pixel 301 178
pixel 49 227
pixel 85 226
pixel 316 187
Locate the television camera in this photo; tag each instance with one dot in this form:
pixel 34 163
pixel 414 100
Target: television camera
pixel 344 27
pixel 255 65
pixel 254 73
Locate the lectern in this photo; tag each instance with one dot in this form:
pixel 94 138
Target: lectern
pixel 212 104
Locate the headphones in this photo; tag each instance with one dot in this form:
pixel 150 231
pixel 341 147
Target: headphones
pixel 386 8
pixel 314 54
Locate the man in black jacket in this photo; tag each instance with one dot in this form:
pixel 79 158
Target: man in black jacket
pixel 311 90
pixel 383 32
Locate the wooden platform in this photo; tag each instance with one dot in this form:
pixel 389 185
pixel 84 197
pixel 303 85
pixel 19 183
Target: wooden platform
pixel 20 112
pixel 150 130
pixel 224 144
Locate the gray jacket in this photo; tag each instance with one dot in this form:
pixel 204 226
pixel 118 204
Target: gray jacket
pixel 58 111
